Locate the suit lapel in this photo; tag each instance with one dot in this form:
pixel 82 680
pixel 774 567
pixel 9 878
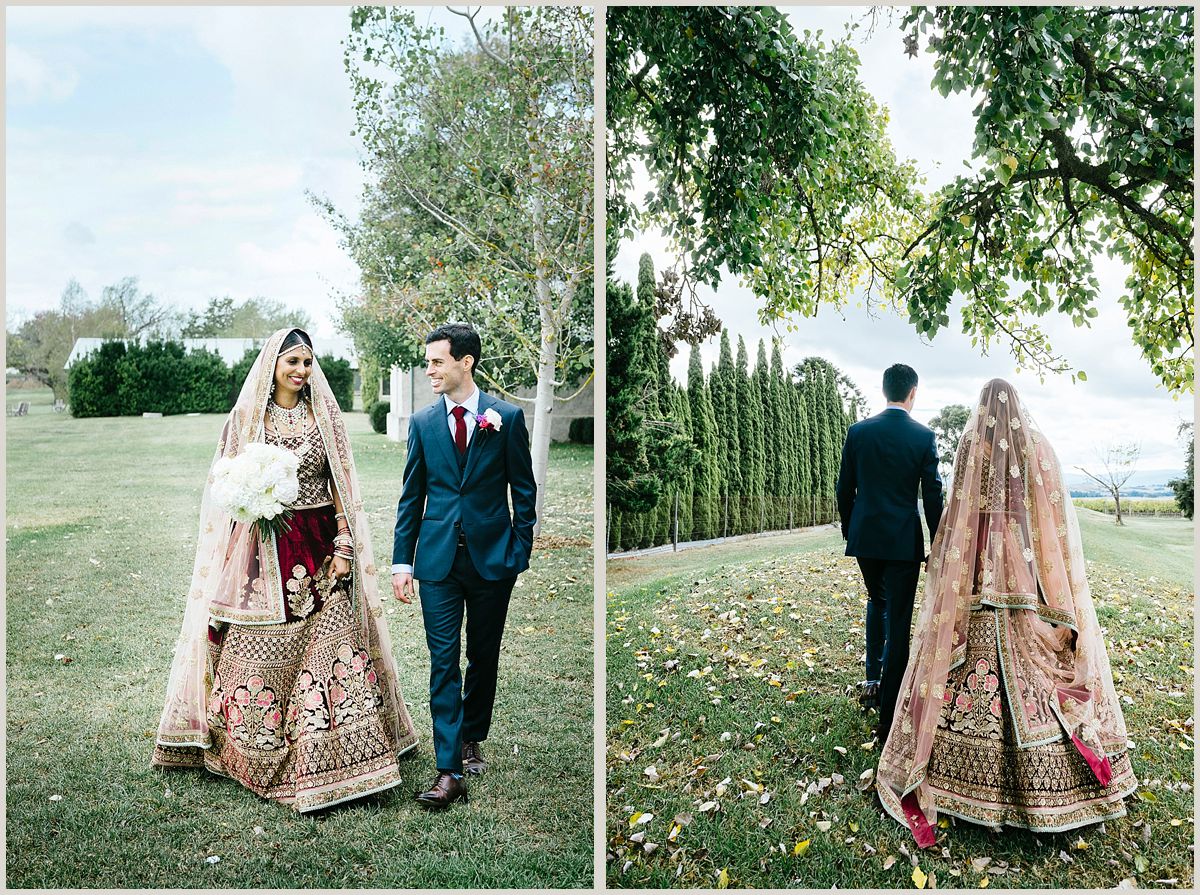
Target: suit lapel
pixel 441 433
pixel 479 437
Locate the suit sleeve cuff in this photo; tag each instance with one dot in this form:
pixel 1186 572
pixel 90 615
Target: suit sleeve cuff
pixel 399 568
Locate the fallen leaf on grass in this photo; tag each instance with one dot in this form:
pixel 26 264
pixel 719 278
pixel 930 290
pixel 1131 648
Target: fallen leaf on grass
pixel 801 847
pixel 723 879
pixel 865 779
pixel 983 883
pixel 824 825
pixel 841 750
pixel 213 859
pixel 978 864
pixel 888 862
pixel 919 877
pixel 62 659
pixel 56 798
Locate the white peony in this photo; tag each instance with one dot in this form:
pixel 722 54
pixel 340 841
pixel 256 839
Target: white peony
pixel 257 484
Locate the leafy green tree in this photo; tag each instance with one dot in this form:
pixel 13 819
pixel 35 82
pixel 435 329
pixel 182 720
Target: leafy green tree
pixel 41 344
pixel 765 153
pixel 948 426
pixel 1084 139
pixel 254 318
pixel 1185 487
pixel 767 157
pixel 478 204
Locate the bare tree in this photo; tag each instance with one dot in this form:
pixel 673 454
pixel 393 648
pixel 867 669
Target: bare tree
pixel 1119 460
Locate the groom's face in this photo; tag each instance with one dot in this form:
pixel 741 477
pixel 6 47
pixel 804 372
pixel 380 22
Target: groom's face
pixel 445 373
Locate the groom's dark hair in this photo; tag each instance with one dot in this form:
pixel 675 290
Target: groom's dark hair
pixel 463 341
pixel 898 381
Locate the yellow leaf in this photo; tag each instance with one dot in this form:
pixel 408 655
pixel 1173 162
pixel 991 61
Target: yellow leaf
pixel 675 828
pixel 853 827
pixel 801 847
pixel 1011 161
pixel 633 818
pixel 983 883
pixel 919 877
pixel 1080 845
pixel 723 879
pixel 1176 822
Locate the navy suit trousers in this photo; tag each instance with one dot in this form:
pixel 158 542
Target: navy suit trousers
pixel 462 712
pixel 891 591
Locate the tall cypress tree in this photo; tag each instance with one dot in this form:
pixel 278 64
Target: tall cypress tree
pixel 837 435
pixel 725 410
pixel 750 434
pixel 632 486
pixel 785 432
pixel 769 426
pixel 704 437
pixel 802 455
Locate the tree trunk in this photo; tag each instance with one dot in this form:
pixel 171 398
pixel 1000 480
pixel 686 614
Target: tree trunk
pixel 1117 498
pixel 543 407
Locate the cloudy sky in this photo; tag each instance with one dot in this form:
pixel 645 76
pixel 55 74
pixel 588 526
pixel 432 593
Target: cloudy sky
pixel 175 144
pixel 1120 400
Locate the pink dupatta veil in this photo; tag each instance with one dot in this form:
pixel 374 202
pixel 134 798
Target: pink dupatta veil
pixel 236 576
pixel 1008 538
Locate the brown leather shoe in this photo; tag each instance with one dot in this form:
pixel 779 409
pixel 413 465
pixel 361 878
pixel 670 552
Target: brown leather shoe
pixel 472 756
pixel 443 792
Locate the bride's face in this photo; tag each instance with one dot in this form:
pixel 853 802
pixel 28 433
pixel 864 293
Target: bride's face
pixel 292 370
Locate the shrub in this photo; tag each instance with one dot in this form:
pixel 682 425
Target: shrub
pixel 238 375
pixel 378 413
pixel 341 380
pixel 581 430
pixel 158 377
pixel 92 381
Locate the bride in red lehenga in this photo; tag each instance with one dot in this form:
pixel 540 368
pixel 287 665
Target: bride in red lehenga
pixel 1007 712
pixel 283 676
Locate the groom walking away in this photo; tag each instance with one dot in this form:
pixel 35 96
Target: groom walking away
pixel 884 459
pixel 454 534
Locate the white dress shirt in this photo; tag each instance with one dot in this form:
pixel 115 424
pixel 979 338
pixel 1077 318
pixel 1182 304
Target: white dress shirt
pixel 472 406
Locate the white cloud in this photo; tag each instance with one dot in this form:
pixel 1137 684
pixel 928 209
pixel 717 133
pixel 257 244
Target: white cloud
pixel 34 79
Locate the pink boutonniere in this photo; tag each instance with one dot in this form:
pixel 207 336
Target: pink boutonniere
pixel 489 419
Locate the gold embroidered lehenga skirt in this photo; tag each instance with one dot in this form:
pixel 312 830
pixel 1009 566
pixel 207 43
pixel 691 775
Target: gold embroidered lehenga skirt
pixel 295 710
pixel 978 771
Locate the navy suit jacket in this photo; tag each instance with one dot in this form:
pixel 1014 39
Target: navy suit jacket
pixel 884 459
pixel 442 496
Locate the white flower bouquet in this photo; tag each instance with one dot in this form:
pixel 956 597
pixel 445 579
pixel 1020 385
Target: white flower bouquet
pixel 254 486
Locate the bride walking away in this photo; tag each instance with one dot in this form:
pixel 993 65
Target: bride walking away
pixel 1007 713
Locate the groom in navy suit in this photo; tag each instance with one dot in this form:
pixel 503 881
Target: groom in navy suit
pixel 884 459
pixel 467 452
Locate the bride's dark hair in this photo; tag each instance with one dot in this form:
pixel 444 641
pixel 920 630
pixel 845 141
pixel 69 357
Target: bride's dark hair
pixel 294 338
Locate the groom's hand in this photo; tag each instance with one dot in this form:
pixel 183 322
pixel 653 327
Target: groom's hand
pixel 402 586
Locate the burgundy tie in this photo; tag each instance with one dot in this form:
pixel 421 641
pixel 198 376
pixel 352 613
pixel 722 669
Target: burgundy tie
pixel 460 428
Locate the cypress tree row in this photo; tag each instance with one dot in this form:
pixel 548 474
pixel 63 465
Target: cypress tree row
pixel 735 452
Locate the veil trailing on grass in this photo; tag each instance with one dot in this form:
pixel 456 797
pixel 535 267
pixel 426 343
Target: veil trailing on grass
pixel 1009 539
pixel 236 576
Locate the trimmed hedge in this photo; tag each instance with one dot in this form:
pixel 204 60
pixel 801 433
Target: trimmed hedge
pixel 341 380
pixel 582 430
pixel 119 379
pixel 157 377
pixel 378 413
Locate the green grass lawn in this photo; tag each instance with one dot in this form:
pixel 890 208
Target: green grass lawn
pixel 728 668
pixel 102 518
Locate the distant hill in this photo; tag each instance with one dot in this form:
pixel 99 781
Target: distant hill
pixel 1143 483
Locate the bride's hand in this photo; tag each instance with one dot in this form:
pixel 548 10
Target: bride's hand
pixel 340 568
